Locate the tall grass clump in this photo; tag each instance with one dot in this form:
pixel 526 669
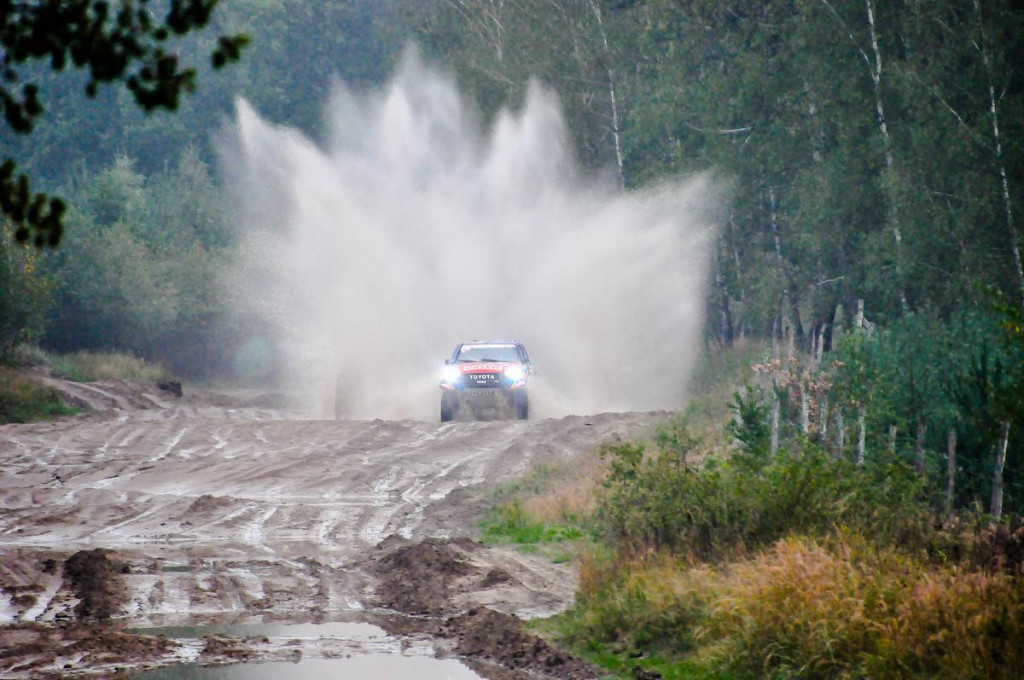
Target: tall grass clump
pixel 839 608
pixel 804 609
pixel 93 366
pixel 510 522
pixel 24 400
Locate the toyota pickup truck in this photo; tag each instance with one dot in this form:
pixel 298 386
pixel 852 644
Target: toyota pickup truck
pixel 484 377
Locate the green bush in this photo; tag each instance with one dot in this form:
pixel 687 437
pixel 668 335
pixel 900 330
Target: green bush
pixel 510 523
pixel 725 508
pixel 24 400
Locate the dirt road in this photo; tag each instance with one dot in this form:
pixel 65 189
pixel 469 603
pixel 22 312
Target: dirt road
pixel 207 509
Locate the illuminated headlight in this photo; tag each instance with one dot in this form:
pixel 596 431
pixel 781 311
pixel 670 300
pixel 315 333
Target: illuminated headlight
pixel 451 374
pixel 514 373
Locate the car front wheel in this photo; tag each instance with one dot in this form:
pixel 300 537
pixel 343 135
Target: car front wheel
pixel 522 405
pixel 448 406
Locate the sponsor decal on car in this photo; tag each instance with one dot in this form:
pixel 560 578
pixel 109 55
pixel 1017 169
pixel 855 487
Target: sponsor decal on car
pixel 485 368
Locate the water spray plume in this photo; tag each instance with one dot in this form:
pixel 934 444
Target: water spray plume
pixel 368 257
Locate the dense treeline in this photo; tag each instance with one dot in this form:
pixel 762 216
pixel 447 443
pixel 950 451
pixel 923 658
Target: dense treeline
pixel 874 151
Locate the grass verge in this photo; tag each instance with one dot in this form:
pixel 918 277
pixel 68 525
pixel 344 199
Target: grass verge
pixel 93 366
pixel 24 400
pixel 799 609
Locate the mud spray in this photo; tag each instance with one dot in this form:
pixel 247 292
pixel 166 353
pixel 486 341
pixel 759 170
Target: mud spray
pixel 368 257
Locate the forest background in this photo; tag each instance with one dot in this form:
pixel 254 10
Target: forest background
pixel 873 241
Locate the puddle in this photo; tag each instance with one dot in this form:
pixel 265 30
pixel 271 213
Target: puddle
pixel 289 631
pixel 393 667
pixel 357 650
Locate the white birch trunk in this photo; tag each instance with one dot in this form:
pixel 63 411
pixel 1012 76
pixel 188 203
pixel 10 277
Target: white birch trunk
pixel 894 209
pixel 775 422
pixel 997 476
pixel 805 410
pixel 861 434
pixel 596 9
pixel 997 141
pixel 823 419
pixel 840 434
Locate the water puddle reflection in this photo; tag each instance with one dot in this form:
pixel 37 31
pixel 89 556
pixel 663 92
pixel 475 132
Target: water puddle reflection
pixel 393 667
pixel 355 650
pixel 290 631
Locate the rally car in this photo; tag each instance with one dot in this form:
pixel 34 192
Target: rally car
pixel 486 376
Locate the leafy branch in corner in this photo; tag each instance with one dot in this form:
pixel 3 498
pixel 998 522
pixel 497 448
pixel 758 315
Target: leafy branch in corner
pixel 121 42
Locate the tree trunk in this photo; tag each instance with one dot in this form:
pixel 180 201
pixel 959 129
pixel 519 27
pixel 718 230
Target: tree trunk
pixel 726 329
pixel 823 421
pixel 612 96
pixel 861 434
pixel 840 434
pixel 790 290
pixel 776 406
pixel 894 207
pixel 805 410
pixel 993 115
pixel 997 477
pixel 950 469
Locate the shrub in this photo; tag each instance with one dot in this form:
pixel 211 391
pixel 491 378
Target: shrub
pixel 512 523
pixel 832 609
pixel 23 399
pixel 93 366
pixel 655 603
pixel 728 507
pixel 804 610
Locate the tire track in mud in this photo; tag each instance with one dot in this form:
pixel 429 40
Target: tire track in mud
pixel 221 513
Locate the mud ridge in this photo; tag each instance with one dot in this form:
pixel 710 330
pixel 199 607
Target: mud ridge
pixel 423 579
pixel 97 582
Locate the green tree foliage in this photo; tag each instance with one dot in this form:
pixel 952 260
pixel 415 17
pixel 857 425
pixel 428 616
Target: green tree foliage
pixel 920 377
pixel 139 270
pixel 25 293
pixel 725 508
pixel 126 44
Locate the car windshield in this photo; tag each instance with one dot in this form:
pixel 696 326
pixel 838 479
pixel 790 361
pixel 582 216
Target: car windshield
pixel 488 353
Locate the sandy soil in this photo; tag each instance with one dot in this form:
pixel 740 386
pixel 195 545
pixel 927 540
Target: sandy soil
pixel 153 510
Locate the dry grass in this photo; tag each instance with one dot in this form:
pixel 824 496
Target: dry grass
pixel 807 610
pixel 23 399
pixel 567 493
pixel 92 366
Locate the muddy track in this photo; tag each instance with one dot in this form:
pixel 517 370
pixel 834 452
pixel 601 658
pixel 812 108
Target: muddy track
pixel 219 511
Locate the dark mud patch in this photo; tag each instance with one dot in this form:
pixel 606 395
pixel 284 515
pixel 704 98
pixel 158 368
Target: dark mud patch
pixel 420 578
pixel 496 577
pixel 221 647
pixel 207 504
pixel 424 580
pixel 43 651
pixel 485 634
pixel 97 582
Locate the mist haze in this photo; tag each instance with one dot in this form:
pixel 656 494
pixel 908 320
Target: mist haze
pixel 410 228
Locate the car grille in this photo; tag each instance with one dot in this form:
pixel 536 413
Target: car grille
pixel 476 380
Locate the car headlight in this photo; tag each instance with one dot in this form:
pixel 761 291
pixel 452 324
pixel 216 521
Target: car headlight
pixel 515 373
pixel 451 374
